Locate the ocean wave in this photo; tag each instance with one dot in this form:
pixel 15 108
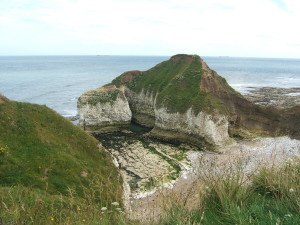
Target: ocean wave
pixel 73 99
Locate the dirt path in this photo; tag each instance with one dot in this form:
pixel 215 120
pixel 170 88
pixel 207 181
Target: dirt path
pixel 247 155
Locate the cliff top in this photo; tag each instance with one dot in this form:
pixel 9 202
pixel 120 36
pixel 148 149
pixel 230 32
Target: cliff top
pixel 105 94
pixel 103 89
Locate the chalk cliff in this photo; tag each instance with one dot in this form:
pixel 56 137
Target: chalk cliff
pixel 182 100
pixel 104 109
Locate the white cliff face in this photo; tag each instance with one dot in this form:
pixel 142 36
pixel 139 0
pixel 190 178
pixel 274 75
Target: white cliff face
pixel 98 116
pixel 142 107
pixel 214 128
pixel 105 112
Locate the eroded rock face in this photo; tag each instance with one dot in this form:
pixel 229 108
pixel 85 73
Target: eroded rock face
pixel 202 127
pixel 142 107
pixel 104 109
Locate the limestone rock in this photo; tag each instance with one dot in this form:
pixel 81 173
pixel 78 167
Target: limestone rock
pixel 213 128
pixel 105 109
pixel 141 105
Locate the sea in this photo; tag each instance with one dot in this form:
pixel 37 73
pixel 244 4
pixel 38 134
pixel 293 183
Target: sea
pixel 58 81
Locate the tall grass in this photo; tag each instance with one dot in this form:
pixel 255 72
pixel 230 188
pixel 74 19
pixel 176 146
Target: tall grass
pixel 21 205
pixel 269 196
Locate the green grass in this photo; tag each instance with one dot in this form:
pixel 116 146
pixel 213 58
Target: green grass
pixel 22 205
pixel 183 90
pixel 271 196
pixel 157 78
pixel 45 155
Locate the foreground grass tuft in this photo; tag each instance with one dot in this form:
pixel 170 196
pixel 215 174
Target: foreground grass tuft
pixel 21 205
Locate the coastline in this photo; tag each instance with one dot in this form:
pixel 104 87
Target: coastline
pixel 267 96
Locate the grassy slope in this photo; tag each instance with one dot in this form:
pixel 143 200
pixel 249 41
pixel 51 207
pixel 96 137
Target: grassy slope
pixel 44 154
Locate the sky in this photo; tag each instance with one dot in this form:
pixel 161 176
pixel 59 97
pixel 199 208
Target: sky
pixel 242 28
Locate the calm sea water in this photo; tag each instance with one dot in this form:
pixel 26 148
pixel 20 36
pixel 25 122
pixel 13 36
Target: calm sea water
pixel 58 81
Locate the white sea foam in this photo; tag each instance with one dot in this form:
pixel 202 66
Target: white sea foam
pixel 294 94
pixel 69 113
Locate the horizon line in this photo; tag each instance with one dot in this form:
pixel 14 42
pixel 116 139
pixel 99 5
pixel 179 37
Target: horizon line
pixel 133 55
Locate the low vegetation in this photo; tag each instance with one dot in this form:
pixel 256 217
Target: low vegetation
pixel 183 91
pixel 103 97
pixel 23 205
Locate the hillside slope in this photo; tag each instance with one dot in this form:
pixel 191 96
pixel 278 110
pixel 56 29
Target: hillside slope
pixel 43 153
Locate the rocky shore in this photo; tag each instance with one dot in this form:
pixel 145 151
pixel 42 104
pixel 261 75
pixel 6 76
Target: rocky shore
pixel 271 96
pixel 146 164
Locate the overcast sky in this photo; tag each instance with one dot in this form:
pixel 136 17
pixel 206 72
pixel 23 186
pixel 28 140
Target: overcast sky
pixel 255 28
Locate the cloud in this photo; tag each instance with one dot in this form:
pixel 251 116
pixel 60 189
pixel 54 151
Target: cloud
pixel 280 3
pixel 215 27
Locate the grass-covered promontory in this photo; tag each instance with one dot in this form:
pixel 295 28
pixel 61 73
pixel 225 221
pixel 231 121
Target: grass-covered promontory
pixel 51 170
pixel 176 83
